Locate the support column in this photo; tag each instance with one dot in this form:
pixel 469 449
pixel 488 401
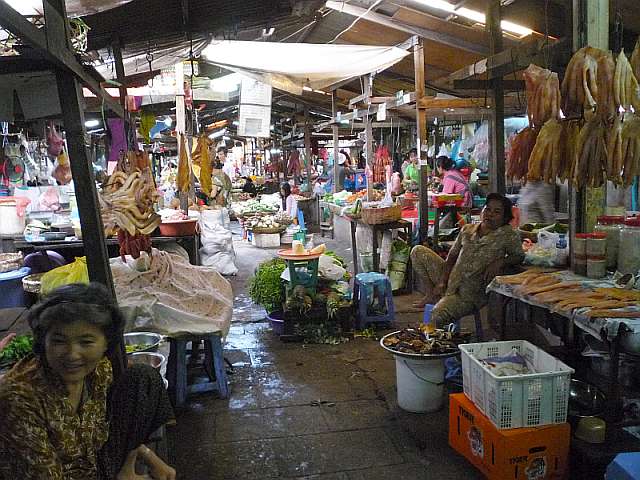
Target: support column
pixel 120 75
pixel 307 144
pixel 336 140
pixel 70 93
pixel 368 124
pixel 421 139
pixel 496 122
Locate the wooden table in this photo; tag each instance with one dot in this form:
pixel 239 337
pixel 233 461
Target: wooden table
pixel 191 243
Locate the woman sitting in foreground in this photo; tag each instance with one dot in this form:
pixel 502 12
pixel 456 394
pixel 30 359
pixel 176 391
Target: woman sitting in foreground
pixel 480 253
pixel 62 414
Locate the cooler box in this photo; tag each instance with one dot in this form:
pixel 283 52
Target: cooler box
pixel 626 466
pixel 536 453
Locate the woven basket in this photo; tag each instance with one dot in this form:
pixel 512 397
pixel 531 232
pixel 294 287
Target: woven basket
pixel 10 261
pixel 32 283
pixel 375 216
pixel 268 230
pixel 524 234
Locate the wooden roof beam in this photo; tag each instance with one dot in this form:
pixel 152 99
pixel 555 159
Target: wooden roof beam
pixel 387 21
pixel 58 55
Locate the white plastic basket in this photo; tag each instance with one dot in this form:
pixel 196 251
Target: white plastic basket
pixel 520 400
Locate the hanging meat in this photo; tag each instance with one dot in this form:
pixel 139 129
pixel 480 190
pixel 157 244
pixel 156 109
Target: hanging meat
pixel 591 155
pixel 546 160
pixel 543 95
pixel 625 84
pixel 606 105
pixel 635 60
pixel 568 146
pixel 184 169
pixel 614 149
pixel 518 158
pixel 382 159
pixel 630 148
pixel 201 157
pixel 580 83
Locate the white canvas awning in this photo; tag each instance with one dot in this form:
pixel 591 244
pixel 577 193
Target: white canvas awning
pixel 292 66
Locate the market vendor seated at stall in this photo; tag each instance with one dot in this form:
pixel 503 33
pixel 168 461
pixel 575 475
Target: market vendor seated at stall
pixel 453 182
pixel 64 414
pixel 481 252
pixel 289 203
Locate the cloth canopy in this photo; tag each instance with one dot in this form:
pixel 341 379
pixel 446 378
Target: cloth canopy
pixel 292 66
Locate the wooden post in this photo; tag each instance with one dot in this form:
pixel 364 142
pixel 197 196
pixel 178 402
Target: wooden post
pixel 120 75
pixel 496 122
pixel 307 144
pixel 71 101
pixel 181 126
pixel 368 125
pixel 421 137
pixel 336 141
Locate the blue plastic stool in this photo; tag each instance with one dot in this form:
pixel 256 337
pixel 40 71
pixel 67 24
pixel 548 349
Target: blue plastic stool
pixel 213 366
pixel 367 288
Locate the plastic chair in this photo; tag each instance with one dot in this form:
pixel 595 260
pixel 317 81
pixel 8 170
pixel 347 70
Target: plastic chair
pixel 477 317
pixel 213 366
pixel 369 288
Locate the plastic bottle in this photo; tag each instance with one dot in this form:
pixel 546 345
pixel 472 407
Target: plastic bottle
pixel 561 250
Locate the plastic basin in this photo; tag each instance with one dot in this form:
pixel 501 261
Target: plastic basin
pixel 12 291
pixel 178 228
pixel 277 322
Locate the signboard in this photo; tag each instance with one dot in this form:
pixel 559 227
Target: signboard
pixel 381 114
pixel 255 109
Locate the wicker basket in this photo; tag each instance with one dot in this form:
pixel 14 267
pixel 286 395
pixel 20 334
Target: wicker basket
pixel 10 261
pixel 267 230
pixel 524 234
pixel 375 216
pixel 32 283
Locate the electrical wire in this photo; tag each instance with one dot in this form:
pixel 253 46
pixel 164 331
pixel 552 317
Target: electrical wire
pixel 313 22
pixel 378 2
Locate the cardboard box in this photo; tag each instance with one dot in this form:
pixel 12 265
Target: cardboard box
pixel 537 453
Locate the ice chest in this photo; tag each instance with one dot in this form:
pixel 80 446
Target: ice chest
pixel 536 453
pixel 266 240
pixel 516 401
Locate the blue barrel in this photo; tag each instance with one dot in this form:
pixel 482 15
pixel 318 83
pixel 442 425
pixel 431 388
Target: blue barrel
pixel 13 294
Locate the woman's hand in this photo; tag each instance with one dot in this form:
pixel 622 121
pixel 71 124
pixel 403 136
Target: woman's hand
pixel 158 469
pixel 493 270
pixel 6 340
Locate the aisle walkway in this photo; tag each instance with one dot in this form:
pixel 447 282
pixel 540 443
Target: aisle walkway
pixel 308 411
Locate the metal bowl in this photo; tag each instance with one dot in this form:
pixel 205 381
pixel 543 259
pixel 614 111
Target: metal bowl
pixel 156 360
pixel 585 400
pixel 150 340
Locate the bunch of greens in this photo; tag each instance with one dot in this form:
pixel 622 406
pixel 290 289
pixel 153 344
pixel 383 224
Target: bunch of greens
pixel 18 348
pixel 324 333
pixel 265 288
pixel 339 260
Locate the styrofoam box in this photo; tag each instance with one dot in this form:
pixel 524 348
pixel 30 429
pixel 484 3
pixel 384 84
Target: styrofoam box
pixel 266 240
pixel 515 401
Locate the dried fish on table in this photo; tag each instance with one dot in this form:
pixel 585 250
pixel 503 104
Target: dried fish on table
pixel 607 313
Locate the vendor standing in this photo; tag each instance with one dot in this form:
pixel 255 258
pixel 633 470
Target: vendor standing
pixel 481 252
pixel 410 168
pixel 453 182
pixel 221 188
pixel 343 171
pixel 289 203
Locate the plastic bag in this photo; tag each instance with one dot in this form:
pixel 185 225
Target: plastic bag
pixel 54 141
pixel 75 272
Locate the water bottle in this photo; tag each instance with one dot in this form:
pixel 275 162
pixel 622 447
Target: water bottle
pixel 561 250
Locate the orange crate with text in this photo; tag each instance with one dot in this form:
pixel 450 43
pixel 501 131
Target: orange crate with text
pixel 536 453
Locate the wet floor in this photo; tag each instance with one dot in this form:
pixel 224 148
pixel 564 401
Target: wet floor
pixel 324 412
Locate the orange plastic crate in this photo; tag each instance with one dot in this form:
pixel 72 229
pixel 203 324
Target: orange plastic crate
pixel 537 453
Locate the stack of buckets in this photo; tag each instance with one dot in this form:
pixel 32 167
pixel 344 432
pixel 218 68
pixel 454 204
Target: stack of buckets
pixel 420 378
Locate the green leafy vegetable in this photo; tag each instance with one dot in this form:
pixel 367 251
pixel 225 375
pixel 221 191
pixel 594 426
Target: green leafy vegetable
pixel 265 288
pixel 20 347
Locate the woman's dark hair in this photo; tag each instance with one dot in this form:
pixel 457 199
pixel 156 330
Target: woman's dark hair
pixel 444 162
pixel 217 164
pixel 88 302
pixel 286 186
pixel 347 156
pixel 506 206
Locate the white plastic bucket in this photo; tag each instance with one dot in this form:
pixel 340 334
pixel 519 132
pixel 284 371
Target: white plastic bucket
pixel 10 222
pixel 420 383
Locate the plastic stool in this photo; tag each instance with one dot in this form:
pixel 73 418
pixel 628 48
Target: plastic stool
pixel 626 466
pixel 303 273
pixel 213 366
pixel 375 286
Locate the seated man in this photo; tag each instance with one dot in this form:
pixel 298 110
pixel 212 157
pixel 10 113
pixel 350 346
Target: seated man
pixel 481 252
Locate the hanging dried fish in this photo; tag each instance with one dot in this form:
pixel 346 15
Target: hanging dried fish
pixel 184 169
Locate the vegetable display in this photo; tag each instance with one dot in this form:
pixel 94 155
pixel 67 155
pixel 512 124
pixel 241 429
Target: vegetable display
pixel 18 348
pixel 265 288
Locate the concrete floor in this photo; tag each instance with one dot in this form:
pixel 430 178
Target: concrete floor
pixel 325 412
